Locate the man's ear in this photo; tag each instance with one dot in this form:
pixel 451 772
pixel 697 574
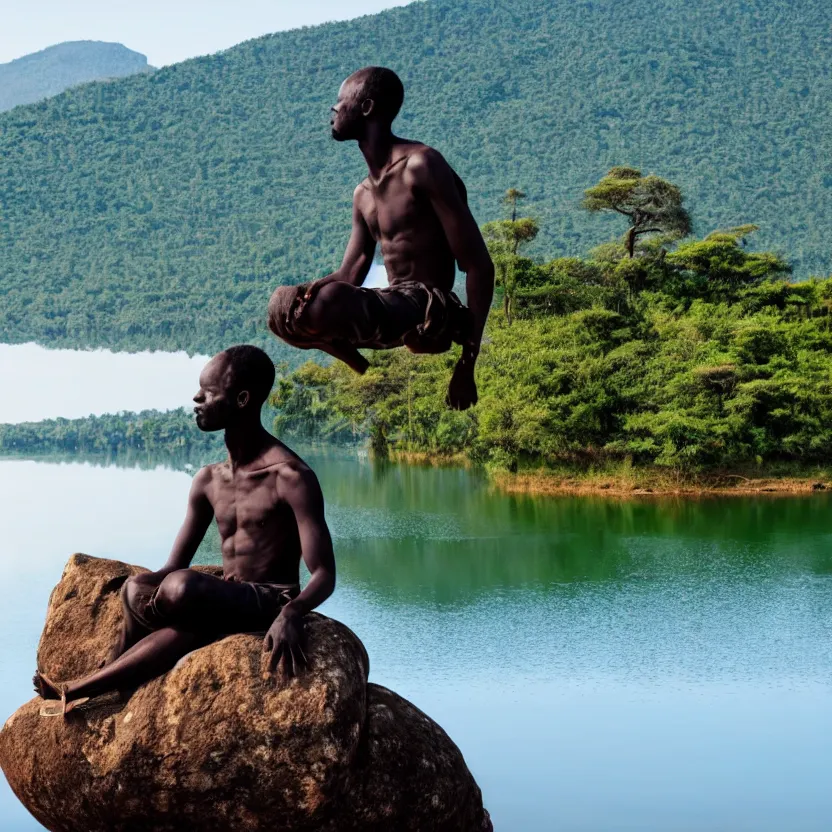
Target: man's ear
pixel 367 106
pixel 243 398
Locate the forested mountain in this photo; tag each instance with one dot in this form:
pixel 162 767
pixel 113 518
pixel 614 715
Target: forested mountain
pixel 160 210
pixel 52 70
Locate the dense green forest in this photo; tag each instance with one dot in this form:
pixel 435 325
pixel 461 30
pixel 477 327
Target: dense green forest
pixel 52 70
pixel 150 432
pixel 689 356
pixel 160 210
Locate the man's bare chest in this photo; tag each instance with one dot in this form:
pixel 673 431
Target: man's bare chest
pixel 249 502
pixel 393 207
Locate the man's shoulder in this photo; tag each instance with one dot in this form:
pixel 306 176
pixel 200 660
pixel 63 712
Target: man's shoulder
pixel 204 477
pixel 427 167
pixel 212 470
pixel 424 157
pixel 293 469
pixel 295 478
pixel 284 462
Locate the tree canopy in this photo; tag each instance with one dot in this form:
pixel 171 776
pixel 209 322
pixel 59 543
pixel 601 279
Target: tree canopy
pixel 147 432
pixel 651 204
pixel 716 362
pixel 504 239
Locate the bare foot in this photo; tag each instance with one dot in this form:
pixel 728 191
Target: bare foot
pixel 55 695
pixel 45 688
pixel 346 352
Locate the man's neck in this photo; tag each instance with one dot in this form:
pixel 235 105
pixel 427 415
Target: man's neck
pixel 376 145
pixel 246 442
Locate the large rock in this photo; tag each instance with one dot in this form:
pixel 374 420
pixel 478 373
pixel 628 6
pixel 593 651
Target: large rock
pixel 83 617
pixel 410 775
pixel 218 744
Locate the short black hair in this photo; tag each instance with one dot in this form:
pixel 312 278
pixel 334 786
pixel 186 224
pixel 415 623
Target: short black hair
pixel 384 87
pixel 252 370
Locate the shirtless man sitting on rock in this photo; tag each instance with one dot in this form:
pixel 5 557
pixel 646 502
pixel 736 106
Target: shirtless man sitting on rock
pixel 270 512
pixel 415 206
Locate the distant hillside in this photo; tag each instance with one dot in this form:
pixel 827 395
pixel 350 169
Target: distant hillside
pixel 50 71
pixel 160 210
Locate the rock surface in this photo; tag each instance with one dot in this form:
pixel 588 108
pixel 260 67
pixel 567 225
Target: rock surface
pixel 218 744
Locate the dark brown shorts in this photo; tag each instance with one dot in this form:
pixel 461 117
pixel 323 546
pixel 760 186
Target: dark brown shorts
pixel 253 608
pixel 443 320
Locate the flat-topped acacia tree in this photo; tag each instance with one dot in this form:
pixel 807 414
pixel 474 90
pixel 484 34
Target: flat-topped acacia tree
pixel 651 204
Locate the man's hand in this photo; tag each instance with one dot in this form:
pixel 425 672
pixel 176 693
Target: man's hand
pixel 462 391
pixel 304 298
pixel 284 640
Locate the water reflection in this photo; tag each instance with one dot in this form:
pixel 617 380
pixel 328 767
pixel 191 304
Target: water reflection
pixel 602 664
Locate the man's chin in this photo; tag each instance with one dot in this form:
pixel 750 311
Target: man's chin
pixel 338 136
pixel 206 426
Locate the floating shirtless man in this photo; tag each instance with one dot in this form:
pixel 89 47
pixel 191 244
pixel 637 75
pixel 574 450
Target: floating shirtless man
pixel 415 205
pixel 270 512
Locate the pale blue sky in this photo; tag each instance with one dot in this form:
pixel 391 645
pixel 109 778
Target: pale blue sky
pixel 165 30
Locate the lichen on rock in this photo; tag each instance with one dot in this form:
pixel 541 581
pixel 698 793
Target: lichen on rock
pixel 219 744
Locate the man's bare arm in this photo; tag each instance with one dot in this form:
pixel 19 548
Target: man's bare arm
pixel 361 247
pixel 300 489
pixel 433 176
pixel 302 492
pixel 198 517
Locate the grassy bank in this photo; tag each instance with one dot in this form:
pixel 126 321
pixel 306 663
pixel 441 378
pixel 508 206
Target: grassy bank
pixel 656 482
pixel 623 479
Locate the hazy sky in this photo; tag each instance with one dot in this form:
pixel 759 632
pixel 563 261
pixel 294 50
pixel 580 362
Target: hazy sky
pixel 165 30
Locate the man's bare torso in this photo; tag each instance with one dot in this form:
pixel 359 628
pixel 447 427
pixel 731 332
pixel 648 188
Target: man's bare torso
pixel 257 527
pixel 402 220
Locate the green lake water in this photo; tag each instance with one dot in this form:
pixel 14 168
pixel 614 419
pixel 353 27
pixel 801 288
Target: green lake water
pixel 603 665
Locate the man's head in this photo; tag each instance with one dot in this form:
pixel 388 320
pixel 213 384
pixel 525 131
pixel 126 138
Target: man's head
pixel 371 94
pixel 232 387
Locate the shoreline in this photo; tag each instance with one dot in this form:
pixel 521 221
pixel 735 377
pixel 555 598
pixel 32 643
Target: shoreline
pixel 553 483
pixel 616 480
pixel 627 481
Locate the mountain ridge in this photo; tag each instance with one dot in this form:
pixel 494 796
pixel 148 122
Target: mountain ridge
pixel 50 71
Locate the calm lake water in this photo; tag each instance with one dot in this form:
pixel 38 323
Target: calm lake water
pixel 603 665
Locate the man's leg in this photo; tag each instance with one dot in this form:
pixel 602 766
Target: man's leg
pixel 154 655
pixel 338 317
pixel 195 607
pixel 284 308
pixel 342 351
pixel 134 596
pixel 343 311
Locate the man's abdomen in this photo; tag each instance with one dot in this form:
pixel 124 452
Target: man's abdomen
pixel 428 261
pixel 261 557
